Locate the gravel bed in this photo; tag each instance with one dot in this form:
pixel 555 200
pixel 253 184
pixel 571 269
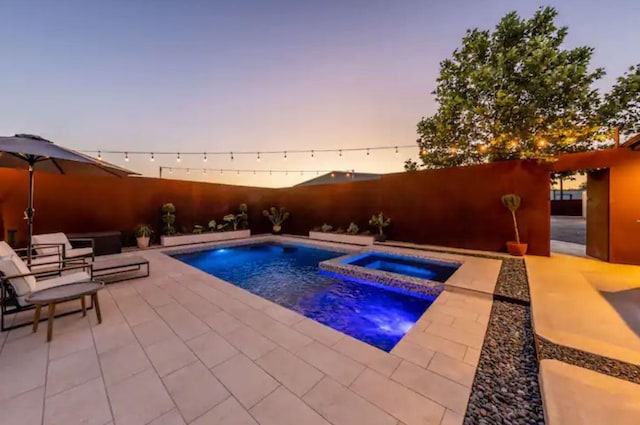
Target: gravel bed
pixel 505 389
pixel 512 284
pixel 605 365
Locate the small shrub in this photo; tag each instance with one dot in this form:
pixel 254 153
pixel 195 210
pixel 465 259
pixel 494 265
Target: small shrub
pixel 326 228
pixel 352 229
pixel 340 230
pixel 197 229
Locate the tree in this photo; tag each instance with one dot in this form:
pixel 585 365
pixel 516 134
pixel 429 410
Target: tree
pixel 515 93
pixel 410 165
pixel 621 106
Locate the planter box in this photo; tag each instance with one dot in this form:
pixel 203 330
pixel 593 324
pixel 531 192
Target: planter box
pixel 342 238
pixel 203 237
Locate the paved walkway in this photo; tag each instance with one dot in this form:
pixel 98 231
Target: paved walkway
pixel 591 306
pixel 184 347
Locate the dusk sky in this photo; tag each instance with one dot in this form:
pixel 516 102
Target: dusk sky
pixel 176 75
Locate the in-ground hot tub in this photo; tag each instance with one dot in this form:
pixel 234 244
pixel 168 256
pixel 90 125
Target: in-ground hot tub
pixel 422 268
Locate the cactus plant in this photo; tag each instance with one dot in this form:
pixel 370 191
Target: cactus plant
pixel 379 221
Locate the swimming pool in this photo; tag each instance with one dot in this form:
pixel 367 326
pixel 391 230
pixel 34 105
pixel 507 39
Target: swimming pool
pixel 289 275
pixel 423 268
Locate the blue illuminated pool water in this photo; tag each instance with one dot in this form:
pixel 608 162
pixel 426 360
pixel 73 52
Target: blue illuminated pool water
pixel 289 276
pixel 409 266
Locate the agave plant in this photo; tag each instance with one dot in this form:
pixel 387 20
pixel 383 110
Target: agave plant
pixel 232 220
pixel 353 228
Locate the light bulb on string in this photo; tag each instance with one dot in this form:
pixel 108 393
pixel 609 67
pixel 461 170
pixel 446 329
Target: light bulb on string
pixel 258 158
pixel 396 151
pixel 126 156
pixel 188 171
pixel 231 155
pixel 254 172
pixel 367 151
pixel 99 156
pixel 301 173
pixel 170 170
pixel 269 172
pixel 333 175
pixel 285 155
pixel 178 157
pixel 238 172
pixel 204 157
pixel 221 172
pixel 312 154
pixel 204 171
pixel 152 157
pixel 340 153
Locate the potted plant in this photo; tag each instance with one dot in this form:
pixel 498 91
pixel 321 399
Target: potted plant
pixel 169 218
pixel 143 234
pixel 380 221
pixel 276 216
pixel 511 201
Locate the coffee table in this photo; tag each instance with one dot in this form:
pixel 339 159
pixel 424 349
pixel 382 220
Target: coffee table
pixel 62 293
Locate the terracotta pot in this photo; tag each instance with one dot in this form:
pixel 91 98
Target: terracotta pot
pixel 277 228
pixel 517 249
pixel 143 242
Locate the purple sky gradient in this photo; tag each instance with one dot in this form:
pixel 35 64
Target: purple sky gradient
pixel 231 76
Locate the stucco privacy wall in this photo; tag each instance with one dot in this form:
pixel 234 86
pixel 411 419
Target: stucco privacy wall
pixel 457 207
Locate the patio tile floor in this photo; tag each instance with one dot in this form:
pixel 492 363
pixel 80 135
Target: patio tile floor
pixel 162 357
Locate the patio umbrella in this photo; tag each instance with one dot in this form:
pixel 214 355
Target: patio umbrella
pixel 26 151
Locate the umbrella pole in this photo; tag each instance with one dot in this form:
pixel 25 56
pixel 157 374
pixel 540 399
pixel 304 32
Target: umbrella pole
pixel 29 213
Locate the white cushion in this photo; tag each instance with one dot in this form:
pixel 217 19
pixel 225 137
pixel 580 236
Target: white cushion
pixel 11 266
pixel 79 252
pixel 48 239
pixel 6 250
pixel 51 262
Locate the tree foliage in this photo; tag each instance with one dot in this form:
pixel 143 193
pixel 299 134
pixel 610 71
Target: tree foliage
pixel 516 93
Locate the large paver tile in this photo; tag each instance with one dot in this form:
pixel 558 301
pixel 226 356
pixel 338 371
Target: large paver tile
pixel 297 375
pixel 70 342
pixel 212 349
pixel 472 356
pixel 282 314
pixel 172 417
pixel 139 399
pixel 248 383
pixel 222 322
pixel 194 390
pixel 74 369
pixel 136 311
pixel 108 336
pixel 25 409
pixel 152 332
pixel 338 366
pixel 169 355
pixel 414 353
pixel 469 337
pixel 183 323
pixel 250 342
pixel 229 412
pixel 318 331
pixel 433 386
pixel 343 407
pixel 369 355
pixel 123 362
pixel 574 396
pixel 452 418
pixel 83 404
pixel 285 336
pixel 282 407
pixel 24 371
pixel 438 344
pixel 456 370
pixel 404 404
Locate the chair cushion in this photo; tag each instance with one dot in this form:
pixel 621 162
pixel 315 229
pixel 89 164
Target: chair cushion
pixel 6 250
pixel 51 238
pixel 50 262
pixel 79 252
pixel 62 280
pixel 13 265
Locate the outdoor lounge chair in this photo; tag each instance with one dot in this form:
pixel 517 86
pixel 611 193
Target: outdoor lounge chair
pixel 49 243
pixel 17 281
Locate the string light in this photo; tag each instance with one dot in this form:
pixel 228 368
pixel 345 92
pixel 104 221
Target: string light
pixel 542 143
pixel 333 175
pixel 178 157
pixel 204 171
pixel 258 158
pixel 231 156
pixel 285 155
pixel 396 151
pixel 347 174
pixel 423 152
pixel 99 156
pixel 204 157
pixel 188 171
pixel 221 172
pixel 254 172
pixel 482 148
pixel 126 157
pixel 170 170
pixel 312 154
pixel 340 153
pixel 152 157
pixel 367 152
pixel 238 172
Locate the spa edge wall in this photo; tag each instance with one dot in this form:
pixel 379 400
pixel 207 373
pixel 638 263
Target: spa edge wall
pixel 457 207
